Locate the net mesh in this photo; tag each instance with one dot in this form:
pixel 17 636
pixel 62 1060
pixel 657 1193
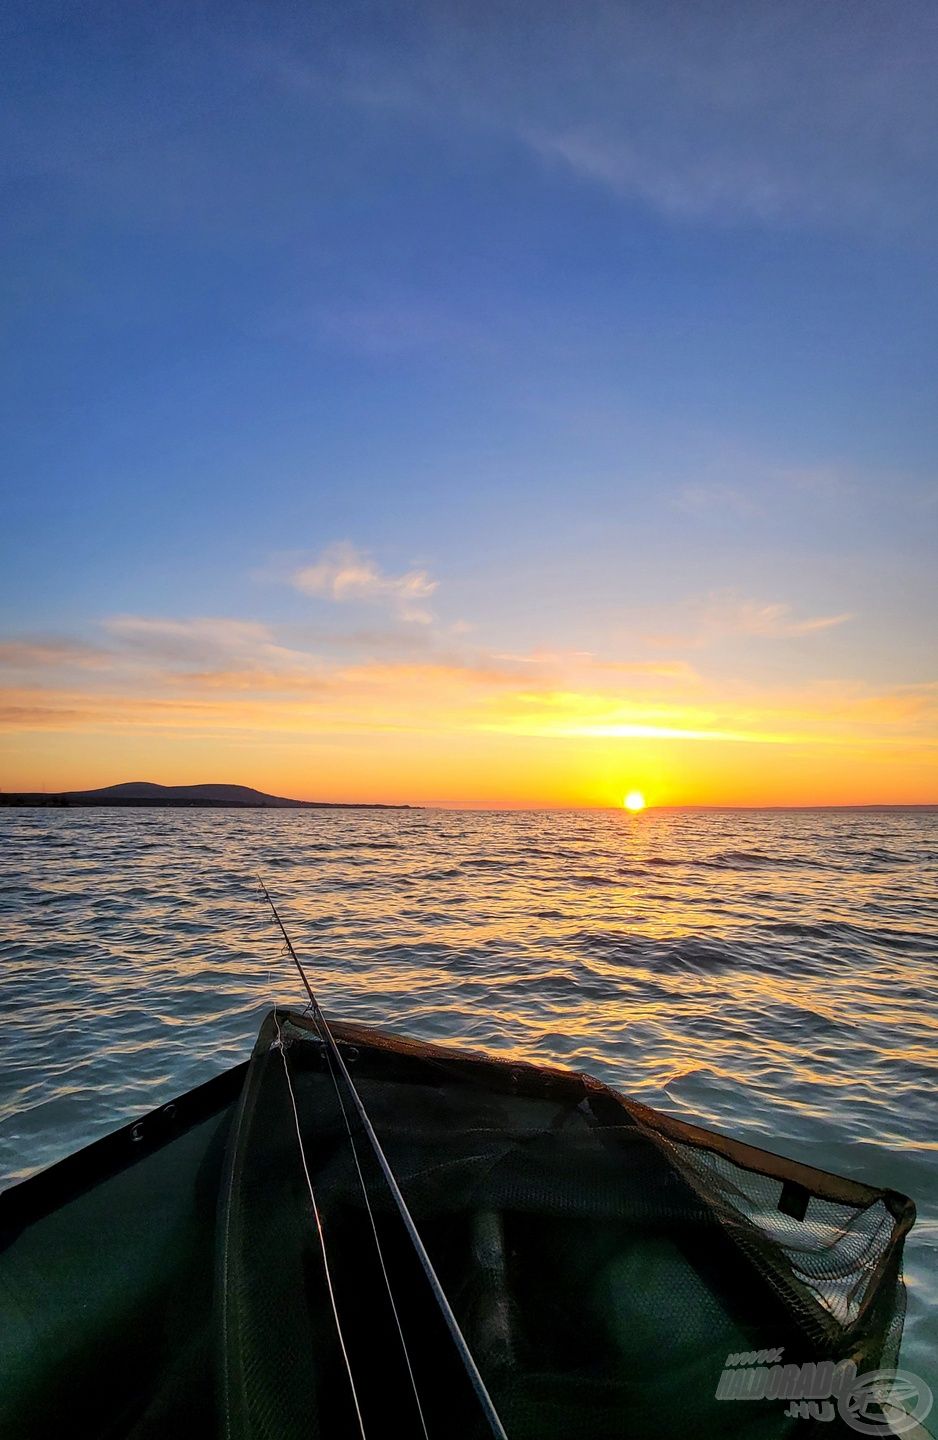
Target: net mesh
pixel 602 1260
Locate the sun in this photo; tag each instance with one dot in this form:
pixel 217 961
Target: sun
pixel 634 801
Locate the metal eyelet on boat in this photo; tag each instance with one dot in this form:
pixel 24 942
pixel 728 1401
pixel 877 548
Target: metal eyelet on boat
pixel 169 1111
pixel 349 1054
pixel 137 1132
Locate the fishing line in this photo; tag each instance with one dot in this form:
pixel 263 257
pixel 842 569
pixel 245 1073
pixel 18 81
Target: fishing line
pixel 367 1199
pixel 374 1230
pixel 319 1229
pixel 472 1370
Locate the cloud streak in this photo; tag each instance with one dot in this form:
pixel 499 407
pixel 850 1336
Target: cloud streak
pixel 208 675
pixel 347 575
pixel 798 115
pixel 39 652
pixel 726 613
pixel 759 115
pixel 449 702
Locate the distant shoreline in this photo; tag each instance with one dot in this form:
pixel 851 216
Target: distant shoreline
pixel 40 801
pixel 143 794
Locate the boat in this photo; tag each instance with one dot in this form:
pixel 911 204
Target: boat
pixel 355 1233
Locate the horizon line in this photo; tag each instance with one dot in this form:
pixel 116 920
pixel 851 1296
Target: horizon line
pixel 458 805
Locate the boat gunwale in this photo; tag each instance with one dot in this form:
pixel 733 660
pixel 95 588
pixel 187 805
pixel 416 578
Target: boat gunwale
pixel 39 1194
pixel 826 1184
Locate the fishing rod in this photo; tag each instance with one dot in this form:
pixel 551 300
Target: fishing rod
pixel 452 1324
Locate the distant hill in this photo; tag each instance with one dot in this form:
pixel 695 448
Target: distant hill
pixel 143 792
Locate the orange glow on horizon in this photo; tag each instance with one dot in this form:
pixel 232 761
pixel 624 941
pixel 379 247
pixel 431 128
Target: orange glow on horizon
pixel 475 771
pixel 493 732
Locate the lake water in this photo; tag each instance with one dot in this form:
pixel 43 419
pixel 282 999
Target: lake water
pixel 769 974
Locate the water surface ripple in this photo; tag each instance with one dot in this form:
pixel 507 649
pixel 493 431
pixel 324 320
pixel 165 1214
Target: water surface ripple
pixel 769 974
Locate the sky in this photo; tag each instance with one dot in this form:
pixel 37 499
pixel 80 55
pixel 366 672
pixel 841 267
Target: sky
pixel 471 404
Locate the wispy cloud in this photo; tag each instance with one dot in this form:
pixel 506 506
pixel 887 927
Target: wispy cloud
pixel 212 653
pixel 192 640
pixel 454 700
pixel 787 116
pixel 688 186
pixel 585 662
pixel 795 115
pixel 345 574
pixel 722 184
pixel 731 480
pixel 726 613
pixel 834 713
pixel 40 651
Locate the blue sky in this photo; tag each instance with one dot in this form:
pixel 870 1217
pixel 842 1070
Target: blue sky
pixel 615 321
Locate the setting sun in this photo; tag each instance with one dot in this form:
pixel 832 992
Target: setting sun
pixel 634 801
